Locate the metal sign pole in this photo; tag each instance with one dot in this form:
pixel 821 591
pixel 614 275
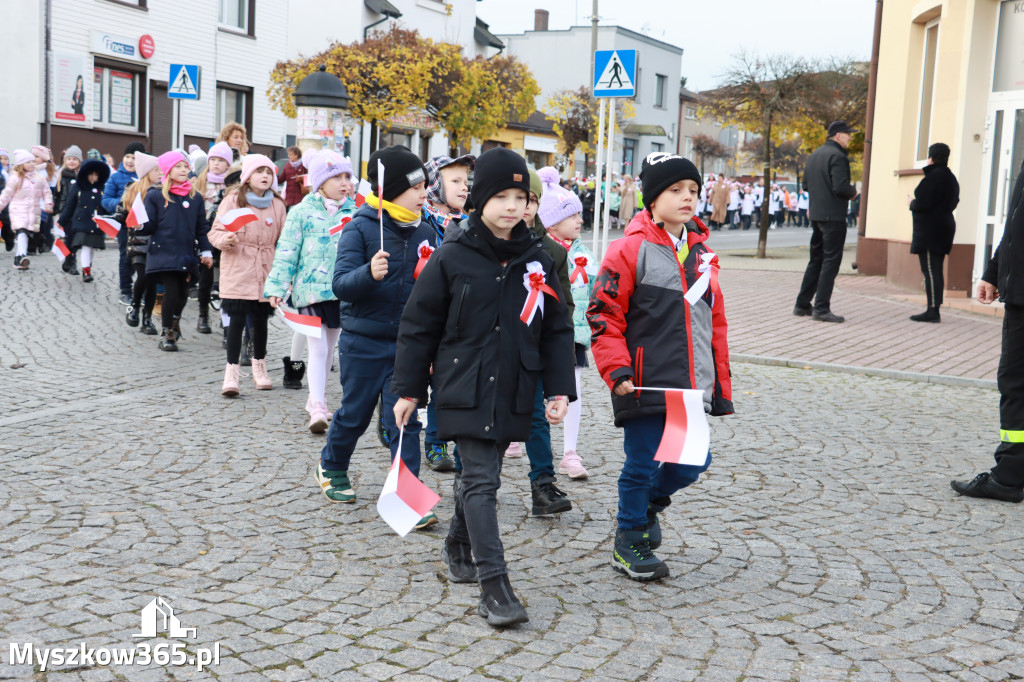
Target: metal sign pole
pixel 608 170
pixel 597 174
pixel 177 123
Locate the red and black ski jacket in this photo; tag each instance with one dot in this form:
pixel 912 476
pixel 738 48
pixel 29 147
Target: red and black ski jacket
pixel 643 329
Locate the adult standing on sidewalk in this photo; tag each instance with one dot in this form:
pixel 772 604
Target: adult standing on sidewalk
pixel 827 179
pixel 1004 279
pixel 933 202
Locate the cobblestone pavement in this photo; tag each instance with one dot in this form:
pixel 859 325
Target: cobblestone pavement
pixel 824 542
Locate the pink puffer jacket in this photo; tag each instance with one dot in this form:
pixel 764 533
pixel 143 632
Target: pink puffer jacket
pixel 22 196
pixel 244 267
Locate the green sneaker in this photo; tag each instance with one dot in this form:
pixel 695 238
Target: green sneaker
pixel 335 485
pixel 438 458
pixel 426 522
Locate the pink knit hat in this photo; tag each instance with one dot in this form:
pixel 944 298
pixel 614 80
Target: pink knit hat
pixel 253 161
pixel 144 163
pixel 41 151
pixel 169 160
pixel 221 150
pixel 326 164
pixel 22 156
pixel 557 203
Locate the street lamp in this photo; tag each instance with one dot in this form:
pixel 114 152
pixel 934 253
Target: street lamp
pixel 320 102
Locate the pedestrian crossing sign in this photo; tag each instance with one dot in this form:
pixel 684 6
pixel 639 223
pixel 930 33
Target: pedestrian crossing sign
pixel 183 82
pixel 615 73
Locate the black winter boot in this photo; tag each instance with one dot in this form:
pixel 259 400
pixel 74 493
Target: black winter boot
pixel 147 324
pixel 632 555
pixel 203 324
pixel 459 558
pixel 930 315
pixel 498 604
pixel 169 341
pixel 547 498
pixel 131 317
pixel 293 372
pixel 655 507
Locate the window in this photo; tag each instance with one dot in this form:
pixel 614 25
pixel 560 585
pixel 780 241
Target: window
pixel 115 96
pixel 688 148
pixel 931 44
pixel 237 15
pixel 657 147
pixel 628 155
pixel 234 103
pixel 691 113
pixel 659 90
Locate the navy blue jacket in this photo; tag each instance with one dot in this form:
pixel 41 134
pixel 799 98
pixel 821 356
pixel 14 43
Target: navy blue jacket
pixel 83 200
pixel 368 307
pixel 115 188
pixel 174 230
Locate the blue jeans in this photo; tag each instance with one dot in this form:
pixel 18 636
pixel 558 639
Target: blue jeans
pixel 642 478
pixel 366 366
pixel 538 445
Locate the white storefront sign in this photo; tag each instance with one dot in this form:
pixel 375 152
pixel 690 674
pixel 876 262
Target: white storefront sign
pixel 536 143
pixel 117 46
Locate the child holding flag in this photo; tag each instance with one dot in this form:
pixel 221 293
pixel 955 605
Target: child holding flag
pixel 82 204
pixel 487 317
pixel 132 203
pixel 373 284
pixel 561 212
pixel 304 265
pixel 26 194
pixel 248 223
pixel 646 334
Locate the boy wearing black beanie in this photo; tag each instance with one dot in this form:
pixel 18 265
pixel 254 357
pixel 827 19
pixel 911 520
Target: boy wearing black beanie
pixel 645 333
pixel 488 314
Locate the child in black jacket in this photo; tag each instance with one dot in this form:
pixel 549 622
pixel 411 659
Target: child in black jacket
pixel 488 314
pixel 83 202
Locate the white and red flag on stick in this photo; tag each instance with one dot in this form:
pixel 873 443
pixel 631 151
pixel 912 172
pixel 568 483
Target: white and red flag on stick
pixel 109 226
pixel 687 436
pixel 236 219
pixel 60 250
pixel 340 226
pixel 365 190
pixel 137 214
pixel 404 499
pixel 303 324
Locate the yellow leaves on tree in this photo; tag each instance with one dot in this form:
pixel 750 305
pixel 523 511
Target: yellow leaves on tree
pixel 576 116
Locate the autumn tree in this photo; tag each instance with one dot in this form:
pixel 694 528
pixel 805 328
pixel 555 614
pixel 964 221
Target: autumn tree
pixel 707 147
pixel 576 117
pixel 788 155
pixel 762 95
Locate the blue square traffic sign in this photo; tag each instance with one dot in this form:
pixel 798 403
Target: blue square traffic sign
pixel 615 73
pixel 183 82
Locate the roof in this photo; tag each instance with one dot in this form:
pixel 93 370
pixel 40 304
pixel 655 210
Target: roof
pixel 382 7
pixel 688 95
pixel 617 29
pixel 537 122
pixel 483 36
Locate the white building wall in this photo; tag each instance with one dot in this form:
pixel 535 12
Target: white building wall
pixel 21 87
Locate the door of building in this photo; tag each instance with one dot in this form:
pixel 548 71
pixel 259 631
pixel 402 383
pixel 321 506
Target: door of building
pixel 161 118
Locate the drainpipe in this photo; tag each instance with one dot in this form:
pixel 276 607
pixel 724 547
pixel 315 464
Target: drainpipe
pixel 870 123
pixel 46 79
pixel 366 31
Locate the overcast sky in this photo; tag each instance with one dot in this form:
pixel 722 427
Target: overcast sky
pixel 711 31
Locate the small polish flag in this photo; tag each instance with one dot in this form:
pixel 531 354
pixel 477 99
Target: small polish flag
pixel 109 226
pixel 340 226
pixel 303 324
pixel 687 436
pixel 59 231
pixel 364 191
pixel 60 250
pixel 137 215
pixel 404 499
pixel 236 219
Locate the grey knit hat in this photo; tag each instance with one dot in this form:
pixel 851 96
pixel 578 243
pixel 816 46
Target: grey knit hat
pixel 74 151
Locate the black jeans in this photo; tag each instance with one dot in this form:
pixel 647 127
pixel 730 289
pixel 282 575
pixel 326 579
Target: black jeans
pixel 124 264
pixel 205 287
pixel 931 268
pixel 145 290
pixel 827 241
pixel 1009 468
pixel 475 521
pixel 175 295
pixel 259 337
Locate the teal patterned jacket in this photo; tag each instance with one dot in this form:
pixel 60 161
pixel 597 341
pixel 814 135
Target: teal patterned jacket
pixel 581 290
pixel 306 251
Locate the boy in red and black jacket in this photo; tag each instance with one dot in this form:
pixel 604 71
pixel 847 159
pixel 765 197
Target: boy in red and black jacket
pixel 644 333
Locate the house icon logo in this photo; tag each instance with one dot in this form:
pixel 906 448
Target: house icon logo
pixel 157 616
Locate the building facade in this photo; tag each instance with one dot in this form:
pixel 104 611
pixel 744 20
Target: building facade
pixel 949 71
pixel 560 60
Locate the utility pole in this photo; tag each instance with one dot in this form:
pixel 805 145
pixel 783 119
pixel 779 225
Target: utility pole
pixel 593 50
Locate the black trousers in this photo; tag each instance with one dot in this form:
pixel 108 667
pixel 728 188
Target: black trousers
pixel 1009 468
pixel 827 241
pixel 124 263
pixel 175 295
pixel 259 337
pixel 475 521
pixel 205 287
pixel 934 283
pixel 144 290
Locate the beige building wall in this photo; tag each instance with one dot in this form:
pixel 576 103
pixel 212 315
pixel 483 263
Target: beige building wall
pixel 962 83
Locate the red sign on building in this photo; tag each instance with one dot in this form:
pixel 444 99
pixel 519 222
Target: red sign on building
pixel 146 46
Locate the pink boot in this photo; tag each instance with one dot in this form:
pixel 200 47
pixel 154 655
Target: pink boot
pixel 514 450
pixel 230 387
pixel 571 466
pixel 260 376
pixel 319 419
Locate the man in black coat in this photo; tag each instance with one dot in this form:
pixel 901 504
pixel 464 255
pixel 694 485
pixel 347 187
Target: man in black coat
pixel 1005 481
pixel 827 180
pixel 932 205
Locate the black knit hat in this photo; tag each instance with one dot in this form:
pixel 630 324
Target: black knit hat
pixel 661 170
pixel 939 153
pixel 134 147
pixel 496 170
pixel 402 170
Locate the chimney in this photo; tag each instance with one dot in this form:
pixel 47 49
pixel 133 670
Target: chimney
pixel 540 20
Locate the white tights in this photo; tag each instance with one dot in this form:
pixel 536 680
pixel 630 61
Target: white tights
pixel 298 345
pixel 22 242
pixel 320 358
pixel 572 417
pixel 85 257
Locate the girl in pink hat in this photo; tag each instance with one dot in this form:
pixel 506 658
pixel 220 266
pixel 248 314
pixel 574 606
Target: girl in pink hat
pixel 27 194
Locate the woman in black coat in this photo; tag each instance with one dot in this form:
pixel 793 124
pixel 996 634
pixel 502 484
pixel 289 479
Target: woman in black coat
pixel 932 206
pixel 82 203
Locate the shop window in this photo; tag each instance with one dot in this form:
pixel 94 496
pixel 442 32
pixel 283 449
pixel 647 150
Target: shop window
pixel 928 66
pixel 237 15
pixel 234 103
pixel 659 90
pixel 116 95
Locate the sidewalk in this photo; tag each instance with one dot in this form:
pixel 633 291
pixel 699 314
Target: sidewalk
pixel 877 337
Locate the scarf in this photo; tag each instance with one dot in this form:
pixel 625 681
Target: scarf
pixel 182 189
pixel 504 249
pixel 566 243
pixel 443 218
pixel 332 205
pixel 215 178
pixel 296 164
pixel 257 201
pixel 403 217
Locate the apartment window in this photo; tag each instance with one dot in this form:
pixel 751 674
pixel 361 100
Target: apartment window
pixel 237 15
pixel 928 64
pixel 691 113
pixel 657 147
pixel 234 103
pixel 659 90
pixel 116 93
pixel 628 155
pixel 688 148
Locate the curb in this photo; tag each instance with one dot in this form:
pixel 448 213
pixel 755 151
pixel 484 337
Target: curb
pixel 943 379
